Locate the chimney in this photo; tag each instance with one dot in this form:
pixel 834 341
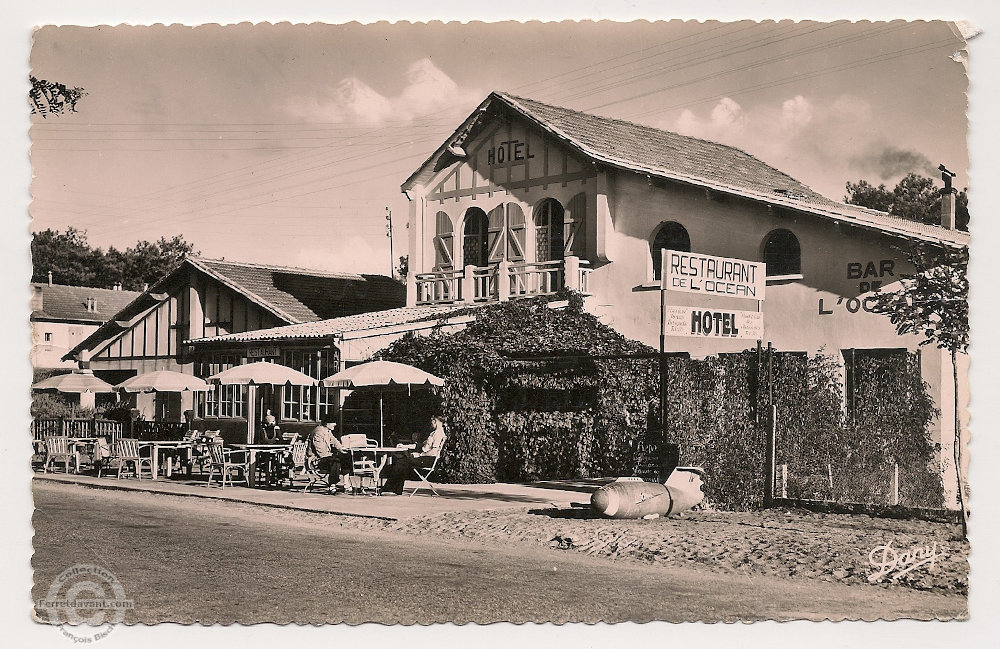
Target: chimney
pixel 50 278
pixel 36 298
pixel 947 199
pixel 145 286
pixel 91 304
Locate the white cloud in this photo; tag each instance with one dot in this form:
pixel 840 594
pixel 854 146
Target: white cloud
pixel 428 92
pixel 822 145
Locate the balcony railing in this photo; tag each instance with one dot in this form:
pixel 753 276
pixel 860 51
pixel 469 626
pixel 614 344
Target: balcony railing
pixel 538 278
pixel 439 287
pixel 502 281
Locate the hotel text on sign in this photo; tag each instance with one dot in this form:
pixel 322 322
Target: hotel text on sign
pixel 691 272
pixel 697 322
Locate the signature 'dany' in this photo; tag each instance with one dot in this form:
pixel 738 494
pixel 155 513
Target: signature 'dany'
pixel 887 562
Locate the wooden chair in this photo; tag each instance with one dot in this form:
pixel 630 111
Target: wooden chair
pixel 226 462
pixel 200 450
pixel 58 448
pixel 126 451
pixel 296 461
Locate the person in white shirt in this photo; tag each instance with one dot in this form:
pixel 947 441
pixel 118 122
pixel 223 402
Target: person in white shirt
pixel 402 468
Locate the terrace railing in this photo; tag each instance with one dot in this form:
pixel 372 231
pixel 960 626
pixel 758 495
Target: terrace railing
pixel 72 427
pixel 502 281
pixel 439 287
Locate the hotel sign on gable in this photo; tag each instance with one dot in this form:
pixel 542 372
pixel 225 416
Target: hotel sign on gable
pixel 691 272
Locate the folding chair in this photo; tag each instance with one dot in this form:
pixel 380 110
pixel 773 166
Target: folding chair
pixel 423 474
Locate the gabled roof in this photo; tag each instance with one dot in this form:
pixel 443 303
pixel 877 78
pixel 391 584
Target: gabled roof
pixel 292 295
pixel 655 152
pixel 303 295
pixel 62 302
pixel 337 327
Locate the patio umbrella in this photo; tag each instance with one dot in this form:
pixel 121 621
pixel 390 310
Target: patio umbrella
pixel 77 382
pixel 384 375
pixel 259 373
pixel 164 381
pixel 262 373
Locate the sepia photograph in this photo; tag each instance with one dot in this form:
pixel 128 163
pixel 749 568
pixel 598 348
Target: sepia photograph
pixel 426 322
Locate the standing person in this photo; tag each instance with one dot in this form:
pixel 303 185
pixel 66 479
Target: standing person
pixel 402 468
pixel 324 445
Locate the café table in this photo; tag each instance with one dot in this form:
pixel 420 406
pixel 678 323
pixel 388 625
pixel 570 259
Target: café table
pixel 272 450
pixel 81 446
pixel 158 445
pixel 386 452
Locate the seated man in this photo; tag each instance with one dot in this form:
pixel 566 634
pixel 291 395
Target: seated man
pixel 402 468
pixel 329 452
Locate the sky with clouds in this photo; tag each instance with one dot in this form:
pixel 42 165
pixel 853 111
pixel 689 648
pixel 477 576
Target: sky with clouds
pixel 286 143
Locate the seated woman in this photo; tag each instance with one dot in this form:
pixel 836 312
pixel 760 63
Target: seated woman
pixel 402 468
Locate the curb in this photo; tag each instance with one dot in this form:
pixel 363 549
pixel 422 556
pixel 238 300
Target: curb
pixel 220 497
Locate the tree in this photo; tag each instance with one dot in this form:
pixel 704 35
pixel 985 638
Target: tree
pixel 914 198
pixel 934 303
pixel 52 98
pixel 72 260
pixel 68 256
pixel 146 262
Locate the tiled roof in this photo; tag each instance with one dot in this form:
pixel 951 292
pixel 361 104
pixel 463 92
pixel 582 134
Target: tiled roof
pixel 640 147
pixel 301 295
pixel 340 326
pixel 655 152
pixel 61 302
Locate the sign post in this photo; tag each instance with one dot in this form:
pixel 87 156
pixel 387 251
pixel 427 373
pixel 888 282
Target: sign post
pixel 691 272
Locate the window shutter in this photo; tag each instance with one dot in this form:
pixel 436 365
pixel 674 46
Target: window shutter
pixel 515 233
pixel 443 243
pixel 575 226
pixel 495 235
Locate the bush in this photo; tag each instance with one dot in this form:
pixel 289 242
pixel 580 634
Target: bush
pixel 498 426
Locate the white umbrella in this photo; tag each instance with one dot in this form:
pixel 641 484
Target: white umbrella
pixel 260 373
pixel 76 382
pixel 381 374
pixel 164 381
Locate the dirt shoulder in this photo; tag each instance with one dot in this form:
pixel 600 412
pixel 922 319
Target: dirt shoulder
pixel 779 542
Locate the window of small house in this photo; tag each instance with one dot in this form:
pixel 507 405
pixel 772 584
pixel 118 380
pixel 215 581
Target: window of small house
pixel 782 254
pixel 670 235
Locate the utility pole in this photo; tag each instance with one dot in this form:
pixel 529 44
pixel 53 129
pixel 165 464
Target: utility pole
pixel 388 233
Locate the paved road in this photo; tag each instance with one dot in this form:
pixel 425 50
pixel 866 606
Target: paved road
pixel 188 560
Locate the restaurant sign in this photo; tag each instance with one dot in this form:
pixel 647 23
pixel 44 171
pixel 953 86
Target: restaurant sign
pixel 264 351
pixel 712 323
pixel 691 272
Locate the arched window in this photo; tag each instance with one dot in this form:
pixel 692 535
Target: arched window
pixel 474 243
pixel 782 253
pixel 669 236
pixel 549 235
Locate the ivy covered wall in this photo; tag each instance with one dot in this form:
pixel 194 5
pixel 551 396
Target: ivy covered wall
pixel 530 394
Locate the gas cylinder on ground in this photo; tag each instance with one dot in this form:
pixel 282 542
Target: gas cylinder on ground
pixel 635 498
